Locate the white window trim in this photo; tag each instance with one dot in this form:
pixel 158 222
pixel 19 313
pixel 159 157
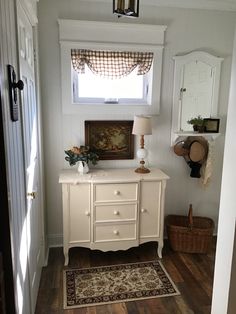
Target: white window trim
pixel 101 35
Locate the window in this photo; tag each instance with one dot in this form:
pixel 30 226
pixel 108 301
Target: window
pixel 90 88
pixel 134 93
pixel 110 77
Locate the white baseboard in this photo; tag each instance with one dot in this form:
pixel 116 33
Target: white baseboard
pixel 55 240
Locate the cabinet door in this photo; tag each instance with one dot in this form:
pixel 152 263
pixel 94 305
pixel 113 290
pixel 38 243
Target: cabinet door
pixel 150 209
pixel 79 213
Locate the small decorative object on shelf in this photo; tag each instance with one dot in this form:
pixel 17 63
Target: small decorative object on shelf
pixel 211 125
pixel 83 155
pixel 198 124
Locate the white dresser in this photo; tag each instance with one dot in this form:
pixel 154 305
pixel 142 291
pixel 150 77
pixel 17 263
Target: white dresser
pixel 112 209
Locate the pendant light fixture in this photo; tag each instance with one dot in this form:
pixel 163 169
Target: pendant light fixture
pixel 129 8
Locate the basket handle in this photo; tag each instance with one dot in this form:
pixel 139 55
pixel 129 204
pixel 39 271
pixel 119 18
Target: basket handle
pixel 190 216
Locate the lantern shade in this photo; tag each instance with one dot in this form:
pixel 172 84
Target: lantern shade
pixel 129 8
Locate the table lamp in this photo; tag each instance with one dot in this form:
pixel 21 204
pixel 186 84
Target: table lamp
pixel 142 126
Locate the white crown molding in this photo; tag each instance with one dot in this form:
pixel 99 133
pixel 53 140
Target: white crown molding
pixel 78 30
pixel 219 5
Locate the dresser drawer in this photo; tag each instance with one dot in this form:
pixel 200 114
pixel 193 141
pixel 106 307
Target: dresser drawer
pixel 116 192
pixel 115 212
pixel 115 232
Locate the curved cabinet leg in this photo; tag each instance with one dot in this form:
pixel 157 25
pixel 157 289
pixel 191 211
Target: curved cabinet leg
pixel 159 249
pixel 66 255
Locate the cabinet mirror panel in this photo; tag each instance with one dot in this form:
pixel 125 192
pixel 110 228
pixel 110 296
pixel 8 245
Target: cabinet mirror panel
pixel 196 88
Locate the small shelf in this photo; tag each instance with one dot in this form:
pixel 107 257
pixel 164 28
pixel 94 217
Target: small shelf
pixel 178 136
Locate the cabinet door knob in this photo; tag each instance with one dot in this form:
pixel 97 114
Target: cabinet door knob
pixel 116 212
pixel 87 213
pixel 116 192
pixel 143 210
pixel 116 232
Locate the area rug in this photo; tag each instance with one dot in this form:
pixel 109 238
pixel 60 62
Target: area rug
pixel 116 283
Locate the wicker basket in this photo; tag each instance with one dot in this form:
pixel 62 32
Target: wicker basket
pixel 190 234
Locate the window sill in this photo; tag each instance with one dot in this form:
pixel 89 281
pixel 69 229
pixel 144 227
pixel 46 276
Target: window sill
pixel 121 108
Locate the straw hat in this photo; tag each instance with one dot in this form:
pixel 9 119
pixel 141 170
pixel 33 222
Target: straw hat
pixel 193 147
pixel 197 152
pixel 180 148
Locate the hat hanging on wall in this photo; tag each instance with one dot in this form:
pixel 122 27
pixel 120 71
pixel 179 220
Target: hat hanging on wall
pixel 180 149
pixel 195 151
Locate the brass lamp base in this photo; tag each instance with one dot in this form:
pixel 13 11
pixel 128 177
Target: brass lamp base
pixel 142 169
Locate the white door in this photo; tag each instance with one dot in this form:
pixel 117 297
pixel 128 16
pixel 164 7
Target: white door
pixel 30 129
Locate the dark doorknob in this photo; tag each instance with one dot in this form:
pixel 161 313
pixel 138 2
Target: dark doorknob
pixel 19 84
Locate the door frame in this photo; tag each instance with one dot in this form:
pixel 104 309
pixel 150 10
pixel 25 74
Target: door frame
pixel 5 234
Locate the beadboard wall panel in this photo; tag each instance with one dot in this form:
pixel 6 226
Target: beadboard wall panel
pixel 187 30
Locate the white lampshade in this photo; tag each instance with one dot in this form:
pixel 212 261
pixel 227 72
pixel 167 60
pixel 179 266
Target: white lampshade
pixel 142 125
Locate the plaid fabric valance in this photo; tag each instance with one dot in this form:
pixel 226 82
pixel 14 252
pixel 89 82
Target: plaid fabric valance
pixel 111 64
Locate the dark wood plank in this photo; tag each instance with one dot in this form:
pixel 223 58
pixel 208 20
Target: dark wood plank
pixel 192 274
pixel 170 305
pixel 118 308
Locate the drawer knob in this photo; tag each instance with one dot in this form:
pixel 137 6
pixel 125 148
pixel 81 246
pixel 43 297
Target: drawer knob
pixel 143 210
pixel 87 213
pixel 116 192
pixel 116 212
pixel 116 232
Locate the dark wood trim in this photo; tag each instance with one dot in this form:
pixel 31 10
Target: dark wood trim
pixel 8 303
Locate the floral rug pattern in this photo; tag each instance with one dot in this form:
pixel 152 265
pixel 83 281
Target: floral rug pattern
pixel 116 283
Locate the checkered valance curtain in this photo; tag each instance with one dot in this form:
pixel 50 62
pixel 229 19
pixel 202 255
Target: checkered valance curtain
pixel 111 64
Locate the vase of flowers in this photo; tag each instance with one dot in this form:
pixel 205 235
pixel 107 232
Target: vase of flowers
pixel 83 155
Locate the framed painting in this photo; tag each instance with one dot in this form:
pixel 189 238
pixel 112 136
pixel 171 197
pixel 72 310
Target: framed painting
pixel 211 125
pixel 110 139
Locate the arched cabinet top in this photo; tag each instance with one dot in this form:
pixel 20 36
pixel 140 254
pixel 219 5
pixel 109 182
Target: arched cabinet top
pixel 199 56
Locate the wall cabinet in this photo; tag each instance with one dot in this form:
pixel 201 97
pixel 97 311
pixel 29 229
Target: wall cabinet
pixel 112 209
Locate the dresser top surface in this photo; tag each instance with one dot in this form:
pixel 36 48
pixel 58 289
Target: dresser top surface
pixel 110 175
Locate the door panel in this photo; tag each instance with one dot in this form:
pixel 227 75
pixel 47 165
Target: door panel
pixel 79 211
pixel 198 85
pixel 150 209
pixel 30 127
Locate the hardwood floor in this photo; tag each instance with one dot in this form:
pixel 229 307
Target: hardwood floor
pixel 192 274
